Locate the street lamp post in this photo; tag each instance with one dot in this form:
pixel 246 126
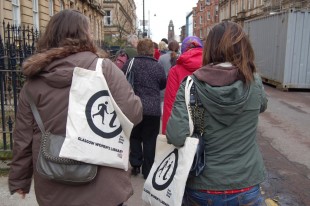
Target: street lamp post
pixel 143 31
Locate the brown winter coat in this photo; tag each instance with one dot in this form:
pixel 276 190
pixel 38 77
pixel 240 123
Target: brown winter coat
pixel 50 91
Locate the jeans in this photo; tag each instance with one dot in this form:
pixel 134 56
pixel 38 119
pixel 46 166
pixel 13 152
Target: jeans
pixel 251 197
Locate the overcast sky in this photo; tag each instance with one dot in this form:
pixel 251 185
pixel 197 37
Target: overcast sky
pixel 160 12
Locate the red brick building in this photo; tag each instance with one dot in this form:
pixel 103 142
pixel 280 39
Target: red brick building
pixel 205 15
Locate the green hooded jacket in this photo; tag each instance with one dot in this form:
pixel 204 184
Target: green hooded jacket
pixel 233 159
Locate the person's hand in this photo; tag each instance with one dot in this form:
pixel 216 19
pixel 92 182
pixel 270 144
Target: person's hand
pixel 20 191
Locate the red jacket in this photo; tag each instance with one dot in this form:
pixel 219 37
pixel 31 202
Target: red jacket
pixel 156 54
pixel 187 63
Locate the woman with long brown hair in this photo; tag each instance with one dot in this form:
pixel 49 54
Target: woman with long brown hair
pixel 232 96
pixel 65 44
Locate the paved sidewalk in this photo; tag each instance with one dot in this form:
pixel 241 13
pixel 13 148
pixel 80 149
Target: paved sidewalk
pixel 15 200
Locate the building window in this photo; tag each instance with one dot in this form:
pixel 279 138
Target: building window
pixel 201 7
pixel 35 11
pixel 51 7
pixel 216 10
pixel 200 33
pixel 107 18
pixel 208 30
pixel 208 15
pixel 200 20
pixel 232 10
pixel 98 31
pixel 62 7
pixel 16 12
pixel 194 24
pixel 249 4
pixel 236 8
pixel 208 2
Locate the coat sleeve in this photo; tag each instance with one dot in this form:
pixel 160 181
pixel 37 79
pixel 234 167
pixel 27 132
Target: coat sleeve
pixel 264 99
pixel 178 126
pixel 162 77
pixel 170 93
pixel 122 92
pixel 21 168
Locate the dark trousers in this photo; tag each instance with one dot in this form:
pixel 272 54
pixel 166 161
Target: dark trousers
pixel 145 133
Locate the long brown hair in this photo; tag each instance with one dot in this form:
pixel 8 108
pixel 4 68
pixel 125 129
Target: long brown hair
pixel 66 33
pixel 67 28
pixel 227 42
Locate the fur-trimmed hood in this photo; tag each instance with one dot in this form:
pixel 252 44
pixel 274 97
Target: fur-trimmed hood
pixel 56 66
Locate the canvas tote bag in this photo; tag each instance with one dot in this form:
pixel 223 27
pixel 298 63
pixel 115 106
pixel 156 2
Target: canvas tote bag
pixel 97 131
pixel 166 181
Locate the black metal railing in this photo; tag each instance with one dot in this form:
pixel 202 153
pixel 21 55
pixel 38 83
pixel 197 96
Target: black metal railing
pixel 16 44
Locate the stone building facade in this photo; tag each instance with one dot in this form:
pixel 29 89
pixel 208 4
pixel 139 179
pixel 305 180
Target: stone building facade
pixel 183 33
pixel 120 19
pixel 241 10
pixel 37 13
pixel 205 15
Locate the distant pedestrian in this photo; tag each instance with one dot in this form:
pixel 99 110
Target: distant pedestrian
pixel 149 79
pixel 156 51
pixel 129 51
pixel 189 61
pixel 65 44
pixel 232 96
pixel 165 40
pixel 168 60
pixel 131 47
pixel 162 46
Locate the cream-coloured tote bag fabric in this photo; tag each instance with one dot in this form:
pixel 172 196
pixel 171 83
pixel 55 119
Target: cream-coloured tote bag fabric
pixel 166 181
pixel 97 131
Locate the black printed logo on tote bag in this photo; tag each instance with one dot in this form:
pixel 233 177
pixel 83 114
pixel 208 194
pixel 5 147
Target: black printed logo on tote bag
pixel 101 116
pixel 164 174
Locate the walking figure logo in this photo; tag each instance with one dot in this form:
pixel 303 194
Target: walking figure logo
pixel 165 172
pixel 98 107
pixel 102 110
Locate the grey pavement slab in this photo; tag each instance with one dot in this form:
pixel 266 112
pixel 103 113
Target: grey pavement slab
pixel 6 199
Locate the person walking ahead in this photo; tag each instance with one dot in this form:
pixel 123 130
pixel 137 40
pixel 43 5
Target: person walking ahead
pixel 66 44
pixel 232 96
pixel 131 47
pixel 189 61
pixel 149 79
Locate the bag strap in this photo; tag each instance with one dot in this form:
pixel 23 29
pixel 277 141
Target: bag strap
pixel 35 112
pixel 194 106
pixel 129 66
pixel 197 110
pixel 188 85
pixel 99 66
